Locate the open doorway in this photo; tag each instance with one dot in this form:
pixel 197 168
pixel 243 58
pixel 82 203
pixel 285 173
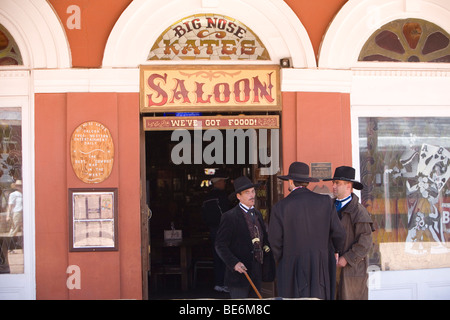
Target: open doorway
pixel 181 251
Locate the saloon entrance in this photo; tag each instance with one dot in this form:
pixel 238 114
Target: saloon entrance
pixel 180 162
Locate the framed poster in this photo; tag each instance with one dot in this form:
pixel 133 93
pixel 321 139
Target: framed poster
pixel 93 219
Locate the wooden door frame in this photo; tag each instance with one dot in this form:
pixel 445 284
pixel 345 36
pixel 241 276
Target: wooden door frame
pixel 145 216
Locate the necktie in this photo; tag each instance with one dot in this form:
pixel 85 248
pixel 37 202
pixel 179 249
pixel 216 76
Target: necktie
pixel 338 205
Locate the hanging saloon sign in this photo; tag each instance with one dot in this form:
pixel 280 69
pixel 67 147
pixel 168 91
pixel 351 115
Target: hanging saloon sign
pixel 209 88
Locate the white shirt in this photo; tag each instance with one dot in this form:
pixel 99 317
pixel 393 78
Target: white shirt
pixel 15 199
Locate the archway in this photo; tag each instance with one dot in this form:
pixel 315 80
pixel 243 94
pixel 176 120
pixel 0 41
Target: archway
pixel 357 21
pixel 143 21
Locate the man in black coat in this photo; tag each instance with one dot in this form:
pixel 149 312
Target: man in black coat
pixel 303 229
pixel 241 240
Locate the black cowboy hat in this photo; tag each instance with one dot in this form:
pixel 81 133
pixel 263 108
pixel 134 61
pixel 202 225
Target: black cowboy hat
pixel 346 174
pixel 298 171
pixel 243 183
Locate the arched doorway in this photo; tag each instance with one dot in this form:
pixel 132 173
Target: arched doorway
pixel 144 23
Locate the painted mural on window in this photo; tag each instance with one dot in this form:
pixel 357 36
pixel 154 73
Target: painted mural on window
pixel 9 50
pixel 208 37
pixel 405 166
pixel 408 40
pixel 11 199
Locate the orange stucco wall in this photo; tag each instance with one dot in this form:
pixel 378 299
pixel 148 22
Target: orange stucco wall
pixel 104 275
pixel 316 128
pixel 98 17
pixel 316 16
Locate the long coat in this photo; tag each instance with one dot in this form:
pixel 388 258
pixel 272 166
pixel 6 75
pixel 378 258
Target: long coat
pixel 234 244
pixel 302 228
pixel 358 226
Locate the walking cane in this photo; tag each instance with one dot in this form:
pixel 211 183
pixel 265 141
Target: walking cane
pixel 253 286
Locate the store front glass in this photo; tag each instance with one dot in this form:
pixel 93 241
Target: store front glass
pixel 11 199
pixel 404 165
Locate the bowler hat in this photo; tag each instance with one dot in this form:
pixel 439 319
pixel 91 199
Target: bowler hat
pixel 346 173
pixel 298 171
pixel 243 183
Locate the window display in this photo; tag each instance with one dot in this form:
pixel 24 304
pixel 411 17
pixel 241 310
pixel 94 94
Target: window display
pixel 11 198
pixel 404 165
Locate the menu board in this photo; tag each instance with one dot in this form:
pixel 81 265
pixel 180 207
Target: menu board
pixel 93 218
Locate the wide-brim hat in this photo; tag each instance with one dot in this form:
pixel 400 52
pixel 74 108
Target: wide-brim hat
pixel 346 173
pixel 298 171
pixel 18 183
pixel 243 183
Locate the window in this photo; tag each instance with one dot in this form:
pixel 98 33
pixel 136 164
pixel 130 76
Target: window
pixel 408 40
pixel 9 50
pixel 405 167
pixel 11 199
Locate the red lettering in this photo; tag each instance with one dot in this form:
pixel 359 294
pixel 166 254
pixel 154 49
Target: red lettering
pixel 259 87
pixel 158 89
pixel 182 93
pixel 222 24
pixel 219 93
pixel 211 23
pixel 179 31
pixel 237 90
pixel 231 26
pixel 240 32
pixel 196 24
pixel 187 26
pixel 199 93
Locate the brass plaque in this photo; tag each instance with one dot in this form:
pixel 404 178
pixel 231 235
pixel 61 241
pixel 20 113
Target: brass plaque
pixel 321 170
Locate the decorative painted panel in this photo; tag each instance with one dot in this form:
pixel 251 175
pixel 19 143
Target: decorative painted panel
pixel 405 168
pixel 9 50
pixel 208 37
pixel 408 40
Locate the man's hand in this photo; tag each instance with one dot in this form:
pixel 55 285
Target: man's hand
pixel 239 267
pixel 342 262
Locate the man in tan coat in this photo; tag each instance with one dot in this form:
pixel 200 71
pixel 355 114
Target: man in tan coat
pixel 353 262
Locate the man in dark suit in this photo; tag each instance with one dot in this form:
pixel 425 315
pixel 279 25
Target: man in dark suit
pixel 241 240
pixel 304 229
